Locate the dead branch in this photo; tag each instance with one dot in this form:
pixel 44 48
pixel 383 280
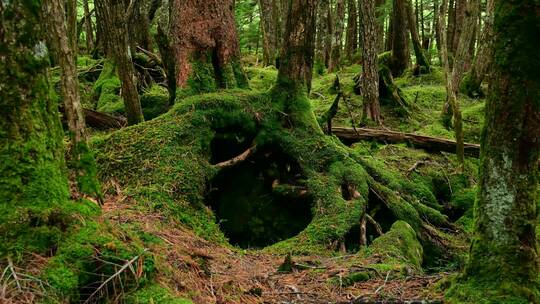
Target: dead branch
pixel 237 159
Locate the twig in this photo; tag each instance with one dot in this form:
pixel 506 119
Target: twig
pixel 375 224
pixel 384 284
pixel 122 269
pixel 14 273
pixel 233 161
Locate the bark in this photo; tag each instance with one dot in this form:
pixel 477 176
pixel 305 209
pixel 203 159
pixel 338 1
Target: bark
pixel 206 45
pixel 454 79
pixel 296 66
pixel 421 59
pixel 33 184
pixel 88 28
pixel 451 29
pixel 337 36
pixel 503 265
pixel 472 81
pixel 351 44
pixel 379 26
pixel 71 12
pixel 324 32
pixel 115 17
pixel 459 19
pixel 167 54
pixel 57 31
pixel 400 42
pixel 139 27
pixel 370 68
pixel 270 30
pixel 428 143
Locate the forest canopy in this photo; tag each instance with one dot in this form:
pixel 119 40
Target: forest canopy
pixel 269 151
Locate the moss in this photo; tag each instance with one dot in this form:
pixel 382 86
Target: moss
pixel 351 279
pixel 154 293
pixel 399 245
pixel 154 102
pixel 107 90
pixel 84 166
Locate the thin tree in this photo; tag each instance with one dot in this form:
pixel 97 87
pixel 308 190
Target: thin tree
pixel 88 28
pixel 114 16
pixel 503 263
pixel 270 30
pixel 370 69
pixel 421 60
pixel 337 35
pixel 351 41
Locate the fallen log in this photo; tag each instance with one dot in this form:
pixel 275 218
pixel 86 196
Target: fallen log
pixel 350 135
pixel 103 121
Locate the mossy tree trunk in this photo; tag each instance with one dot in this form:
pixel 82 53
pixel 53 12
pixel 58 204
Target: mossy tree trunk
pixel 114 18
pixel 206 45
pixel 370 66
pixel 400 42
pixel 33 184
pixel 503 264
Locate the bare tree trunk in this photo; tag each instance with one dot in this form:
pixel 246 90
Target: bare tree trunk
pixel 88 28
pixel 421 60
pixel 114 20
pixel 57 31
pixel 370 69
pixel 400 41
pixel 351 44
pixel 206 45
pixel 295 71
pixel 269 20
pixel 71 12
pixel 379 26
pixel 472 81
pixel 337 36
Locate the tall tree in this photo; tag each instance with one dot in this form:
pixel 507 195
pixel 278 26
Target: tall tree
pixel 138 26
pixel 33 184
pixel 472 80
pixel 370 74
pixel 270 30
pixel 295 71
pixel 114 17
pixel 206 45
pixel 337 35
pixel 455 75
pixel 351 41
pixel 421 59
pixel 503 264
pixel 88 28
pixel 400 42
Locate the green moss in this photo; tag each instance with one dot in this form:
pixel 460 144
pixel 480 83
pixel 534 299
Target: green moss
pixel 84 166
pixel 399 245
pixel 153 294
pixel 350 279
pixel 154 102
pixel 107 90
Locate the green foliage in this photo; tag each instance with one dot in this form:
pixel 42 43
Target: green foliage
pixel 350 279
pixel 153 294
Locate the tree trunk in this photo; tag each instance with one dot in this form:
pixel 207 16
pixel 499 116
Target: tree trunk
pixel 114 20
pixel 57 31
pixel 451 27
pixel 33 182
pixel 472 81
pixel 454 79
pixel 295 71
pixel 421 60
pixel 503 264
pixel 379 26
pixel 71 13
pixel 206 45
pixel 351 44
pixel 400 42
pixel 139 27
pixel 88 28
pixel 370 68
pixel 337 36
pixel 269 26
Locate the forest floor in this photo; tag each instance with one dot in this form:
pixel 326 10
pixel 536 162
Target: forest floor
pixel 208 272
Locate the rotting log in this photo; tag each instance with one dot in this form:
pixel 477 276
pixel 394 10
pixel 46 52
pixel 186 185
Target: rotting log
pixel 99 120
pixel 350 135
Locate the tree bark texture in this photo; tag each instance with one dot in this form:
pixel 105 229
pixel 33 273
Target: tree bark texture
pixel 270 31
pixel 370 68
pixel 351 41
pixel 206 45
pixel 337 35
pixel 296 66
pixel 504 254
pixel 115 17
pixel 57 31
pixel 400 41
pixel 139 26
